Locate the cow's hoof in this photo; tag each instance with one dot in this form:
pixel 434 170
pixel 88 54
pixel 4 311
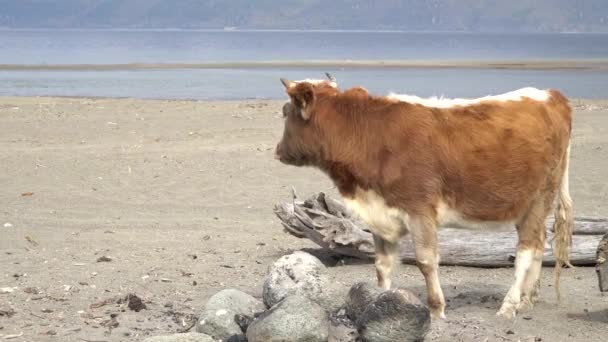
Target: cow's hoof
pixel 525 304
pixel 535 296
pixel 535 293
pixel 437 314
pixel 507 311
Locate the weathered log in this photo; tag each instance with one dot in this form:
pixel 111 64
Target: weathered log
pixel 329 224
pixel 585 225
pixel 601 266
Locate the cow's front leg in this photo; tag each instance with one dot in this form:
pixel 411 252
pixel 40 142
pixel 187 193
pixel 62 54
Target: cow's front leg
pixel 424 236
pixel 386 255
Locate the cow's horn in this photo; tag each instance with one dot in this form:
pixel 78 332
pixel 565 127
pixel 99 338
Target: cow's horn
pixel 287 83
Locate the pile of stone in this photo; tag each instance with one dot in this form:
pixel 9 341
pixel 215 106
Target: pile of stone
pixel 300 304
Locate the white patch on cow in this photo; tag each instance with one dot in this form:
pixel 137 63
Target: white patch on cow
pixel 387 222
pixel 315 82
pixel 448 217
pixel 523 262
pixel 565 201
pixel 391 223
pixel 221 312
pixel 517 95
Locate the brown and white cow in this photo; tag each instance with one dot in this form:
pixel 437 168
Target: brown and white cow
pixel 409 165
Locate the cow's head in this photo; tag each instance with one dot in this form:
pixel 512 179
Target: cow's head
pixel 301 142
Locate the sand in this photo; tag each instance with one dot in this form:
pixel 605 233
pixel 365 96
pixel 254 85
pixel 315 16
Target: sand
pixel 179 195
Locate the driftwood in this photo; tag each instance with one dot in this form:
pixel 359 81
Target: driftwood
pixel 328 223
pixel 601 266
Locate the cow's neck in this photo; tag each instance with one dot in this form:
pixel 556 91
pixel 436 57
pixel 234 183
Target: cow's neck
pixel 349 150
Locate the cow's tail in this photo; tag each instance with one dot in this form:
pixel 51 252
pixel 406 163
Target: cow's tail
pixel 564 224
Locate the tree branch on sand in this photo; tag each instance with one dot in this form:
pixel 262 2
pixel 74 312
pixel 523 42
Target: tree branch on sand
pixel 327 222
pixel 601 267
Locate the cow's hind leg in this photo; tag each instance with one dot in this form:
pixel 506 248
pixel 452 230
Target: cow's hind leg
pixel 424 235
pixel 386 255
pixel 528 260
pixel 531 291
pixel 531 286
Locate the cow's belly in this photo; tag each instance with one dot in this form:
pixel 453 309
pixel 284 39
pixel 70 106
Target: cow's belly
pixel 448 217
pixel 392 223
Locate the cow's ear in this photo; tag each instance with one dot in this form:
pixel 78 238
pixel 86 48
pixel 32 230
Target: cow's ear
pixel 303 97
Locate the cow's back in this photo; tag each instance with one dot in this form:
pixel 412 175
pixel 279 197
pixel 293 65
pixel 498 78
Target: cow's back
pixel 494 157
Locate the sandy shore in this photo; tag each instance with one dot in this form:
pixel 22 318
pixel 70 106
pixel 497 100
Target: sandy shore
pixel 180 193
pixel 525 64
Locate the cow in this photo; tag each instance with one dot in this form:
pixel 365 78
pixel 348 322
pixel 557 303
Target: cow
pixel 408 165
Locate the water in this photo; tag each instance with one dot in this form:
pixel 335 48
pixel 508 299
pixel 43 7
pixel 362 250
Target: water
pixel 40 47
pixel 106 47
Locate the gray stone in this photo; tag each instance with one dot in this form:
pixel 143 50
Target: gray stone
pixel 221 325
pixel 296 318
pixel 235 300
pixel 332 297
pixel 341 328
pixel 300 273
pixel 342 333
pixel 359 297
pixel 218 319
pixel 187 337
pixel 395 315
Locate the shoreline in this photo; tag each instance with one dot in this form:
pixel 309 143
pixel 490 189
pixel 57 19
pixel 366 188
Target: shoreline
pixel 527 64
pixel 575 102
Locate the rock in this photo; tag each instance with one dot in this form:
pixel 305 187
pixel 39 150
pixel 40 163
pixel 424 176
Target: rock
pixel 104 258
pixel 188 337
pixel 221 325
pixel 235 300
pixel 222 314
pixel 135 303
pixel 243 321
pixel 50 332
pixel 341 328
pixel 4 290
pixel 342 333
pixel 395 315
pixel 296 273
pixel 331 298
pixel 296 318
pixel 9 312
pixel 303 274
pixel 359 297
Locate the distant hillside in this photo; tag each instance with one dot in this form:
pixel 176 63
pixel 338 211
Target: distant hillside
pixel 459 15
